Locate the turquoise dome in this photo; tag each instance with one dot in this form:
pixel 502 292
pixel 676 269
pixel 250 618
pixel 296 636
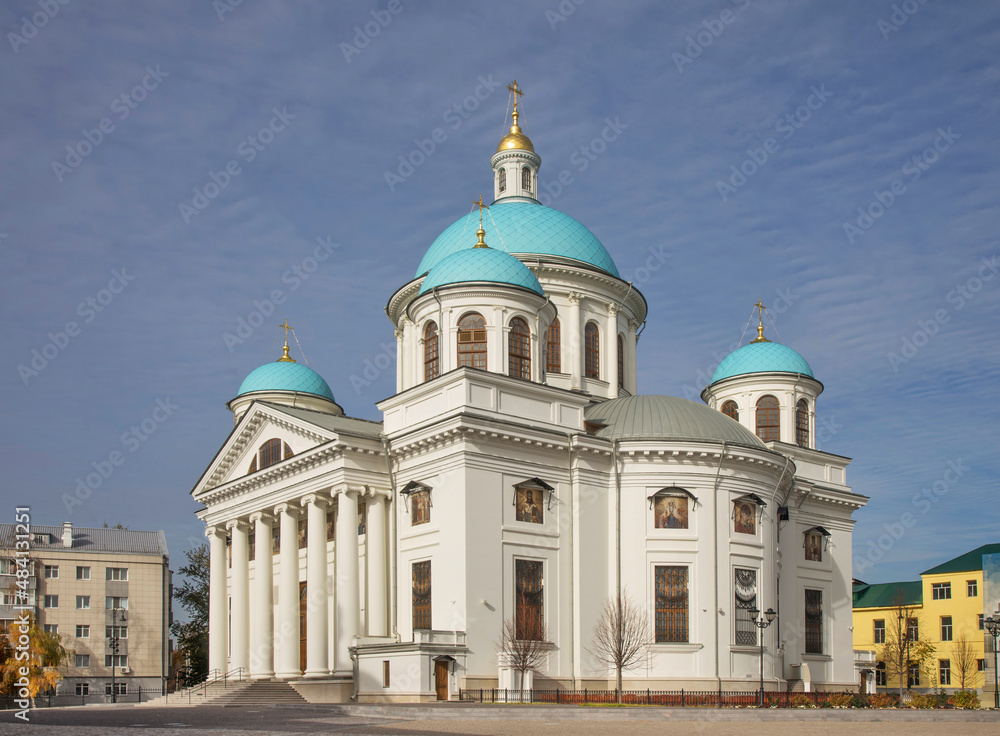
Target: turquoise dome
pixel 481 264
pixel 526 228
pixel 286 376
pixel 762 357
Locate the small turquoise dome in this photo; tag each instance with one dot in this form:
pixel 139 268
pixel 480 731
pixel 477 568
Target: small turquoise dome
pixel 762 357
pixel 285 375
pixel 524 228
pixel 481 264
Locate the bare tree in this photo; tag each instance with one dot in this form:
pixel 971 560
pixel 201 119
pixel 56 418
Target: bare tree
pixel 964 660
pixel 621 636
pixel 903 647
pixel 523 639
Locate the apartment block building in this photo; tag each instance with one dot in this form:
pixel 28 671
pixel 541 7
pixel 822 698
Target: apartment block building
pixel 93 585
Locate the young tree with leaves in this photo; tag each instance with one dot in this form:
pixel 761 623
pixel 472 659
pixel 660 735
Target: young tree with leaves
pixel 42 657
pixel 192 635
pixel 621 636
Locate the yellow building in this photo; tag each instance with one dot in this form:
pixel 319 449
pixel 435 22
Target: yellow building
pixel 944 610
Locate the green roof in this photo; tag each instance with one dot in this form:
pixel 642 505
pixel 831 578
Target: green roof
pixel 885 595
pixel 965 563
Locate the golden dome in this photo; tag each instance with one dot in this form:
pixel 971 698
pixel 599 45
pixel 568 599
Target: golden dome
pixel 515 138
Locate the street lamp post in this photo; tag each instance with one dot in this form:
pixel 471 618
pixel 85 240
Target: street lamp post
pixel 113 642
pixel 761 623
pixel 993 627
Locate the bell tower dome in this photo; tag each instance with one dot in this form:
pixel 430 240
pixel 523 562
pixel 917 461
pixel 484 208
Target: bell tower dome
pixel 515 164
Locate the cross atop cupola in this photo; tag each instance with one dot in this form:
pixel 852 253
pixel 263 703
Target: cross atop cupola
pixel 515 164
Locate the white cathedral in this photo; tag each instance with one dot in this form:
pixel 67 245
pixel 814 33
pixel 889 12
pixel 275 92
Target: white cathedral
pixel 518 476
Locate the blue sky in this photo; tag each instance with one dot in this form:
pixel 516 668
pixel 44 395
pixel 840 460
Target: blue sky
pixel 746 136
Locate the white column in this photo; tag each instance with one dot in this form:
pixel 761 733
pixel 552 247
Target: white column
pixel 377 571
pixel 572 339
pixel 240 606
pixel 218 603
pixel 632 365
pixel 612 351
pixel 348 585
pixel 262 660
pixel 287 641
pixel 317 660
pixel 400 353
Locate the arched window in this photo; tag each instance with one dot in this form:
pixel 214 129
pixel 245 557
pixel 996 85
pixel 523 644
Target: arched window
pixel 767 418
pixel 432 366
pixel 503 180
pixel 288 451
pixel 270 453
pixel 519 349
pixel 731 410
pixel 802 423
pixel 592 351
pixel 553 363
pixel 526 179
pixel 472 341
pixel 621 362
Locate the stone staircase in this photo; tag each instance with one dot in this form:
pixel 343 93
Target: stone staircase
pixel 260 692
pixel 199 694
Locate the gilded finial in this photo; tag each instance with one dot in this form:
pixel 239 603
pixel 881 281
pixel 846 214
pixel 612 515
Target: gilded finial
pixel 515 139
pixel 480 233
pixel 760 322
pixel 286 358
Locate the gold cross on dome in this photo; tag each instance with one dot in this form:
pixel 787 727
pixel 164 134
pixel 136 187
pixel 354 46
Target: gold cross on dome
pixel 286 358
pixel 516 91
pixel 287 328
pixel 480 232
pixel 760 321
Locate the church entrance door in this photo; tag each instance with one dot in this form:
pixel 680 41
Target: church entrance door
pixel 302 626
pixel 441 679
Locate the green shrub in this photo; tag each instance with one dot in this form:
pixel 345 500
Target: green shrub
pixel 841 700
pixel 859 701
pixel 965 699
pixel 884 700
pixel 922 701
pixel 802 701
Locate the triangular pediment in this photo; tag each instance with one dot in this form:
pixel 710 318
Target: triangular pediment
pixel 261 423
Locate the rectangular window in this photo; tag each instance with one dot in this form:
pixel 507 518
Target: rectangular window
pixel 746 598
pixel 116 573
pixel 946 628
pixel 7 566
pixel 880 674
pixel 116 601
pixel 83 573
pixel 553 363
pixel 385 673
pixel 51 601
pixel 120 631
pixel 51 628
pixel 83 688
pixel 529 612
pixel 83 601
pixel 981 665
pixel 362 517
pixel 914 680
pixel 82 660
pixel 944 672
pixel 814 621
pixel 982 621
pixel 879 637
pixel 119 688
pixel 116 660
pixel 940 591
pixel 671 603
pixel 51 571
pixel 912 629
pixel 83 631
pixel 422 595
pixel 972 588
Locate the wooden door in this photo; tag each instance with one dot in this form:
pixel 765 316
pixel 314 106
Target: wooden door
pixel 441 679
pixel 302 626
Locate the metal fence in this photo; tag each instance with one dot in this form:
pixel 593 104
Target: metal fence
pixel 670 698
pixel 133 695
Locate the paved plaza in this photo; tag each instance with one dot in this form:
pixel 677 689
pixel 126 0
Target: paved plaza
pixel 486 721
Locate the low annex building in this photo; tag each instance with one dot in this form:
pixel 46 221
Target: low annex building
pixel 518 474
